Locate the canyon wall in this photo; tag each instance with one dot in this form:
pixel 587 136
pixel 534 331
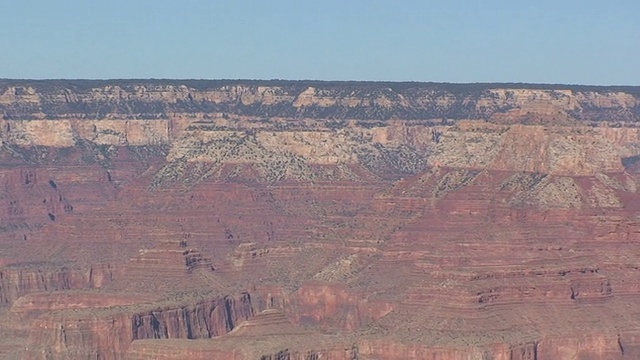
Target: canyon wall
pixel 105 331
pixel 166 219
pixel 154 99
pixel 16 282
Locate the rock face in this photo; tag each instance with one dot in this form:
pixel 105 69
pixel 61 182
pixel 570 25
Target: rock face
pixel 313 220
pixel 108 332
pixel 154 99
pixel 17 281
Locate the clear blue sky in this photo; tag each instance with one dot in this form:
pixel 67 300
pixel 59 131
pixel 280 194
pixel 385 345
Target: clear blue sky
pixel 543 41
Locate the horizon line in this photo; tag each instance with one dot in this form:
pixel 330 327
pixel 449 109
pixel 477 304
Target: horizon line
pixel 321 81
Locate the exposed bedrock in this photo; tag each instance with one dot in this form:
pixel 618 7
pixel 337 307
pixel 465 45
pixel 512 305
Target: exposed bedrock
pixel 17 281
pixel 328 306
pixel 310 220
pixel 395 147
pixel 587 348
pixel 106 333
pixel 153 99
pixel 268 335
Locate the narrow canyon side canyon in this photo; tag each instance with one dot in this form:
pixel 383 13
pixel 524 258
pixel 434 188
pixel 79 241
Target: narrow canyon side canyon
pixel 272 220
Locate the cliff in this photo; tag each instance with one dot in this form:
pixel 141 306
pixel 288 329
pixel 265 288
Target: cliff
pixel 18 281
pixel 304 220
pixel 105 331
pixel 155 99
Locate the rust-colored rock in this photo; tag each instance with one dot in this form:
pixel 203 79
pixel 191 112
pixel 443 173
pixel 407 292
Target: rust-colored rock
pixel 277 220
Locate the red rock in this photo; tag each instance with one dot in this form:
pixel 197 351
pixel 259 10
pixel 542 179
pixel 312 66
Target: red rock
pixel 512 238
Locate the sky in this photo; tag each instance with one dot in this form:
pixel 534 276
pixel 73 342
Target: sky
pixel 537 41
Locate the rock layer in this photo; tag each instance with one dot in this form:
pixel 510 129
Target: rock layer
pixel 308 220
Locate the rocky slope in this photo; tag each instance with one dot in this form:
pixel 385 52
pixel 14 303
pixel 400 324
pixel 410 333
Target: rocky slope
pixel 307 220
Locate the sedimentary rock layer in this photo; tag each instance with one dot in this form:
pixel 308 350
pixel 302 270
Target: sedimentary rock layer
pixel 307 220
pixel 153 99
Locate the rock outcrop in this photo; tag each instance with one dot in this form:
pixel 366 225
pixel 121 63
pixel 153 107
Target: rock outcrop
pixel 154 99
pixel 106 332
pixel 308 220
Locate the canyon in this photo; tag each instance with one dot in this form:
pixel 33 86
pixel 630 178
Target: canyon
pixel 272 220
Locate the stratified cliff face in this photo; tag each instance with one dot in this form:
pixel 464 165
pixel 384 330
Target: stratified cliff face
pixel 19 281
pixel 105 331
pixel 309 220
pixel 154 99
